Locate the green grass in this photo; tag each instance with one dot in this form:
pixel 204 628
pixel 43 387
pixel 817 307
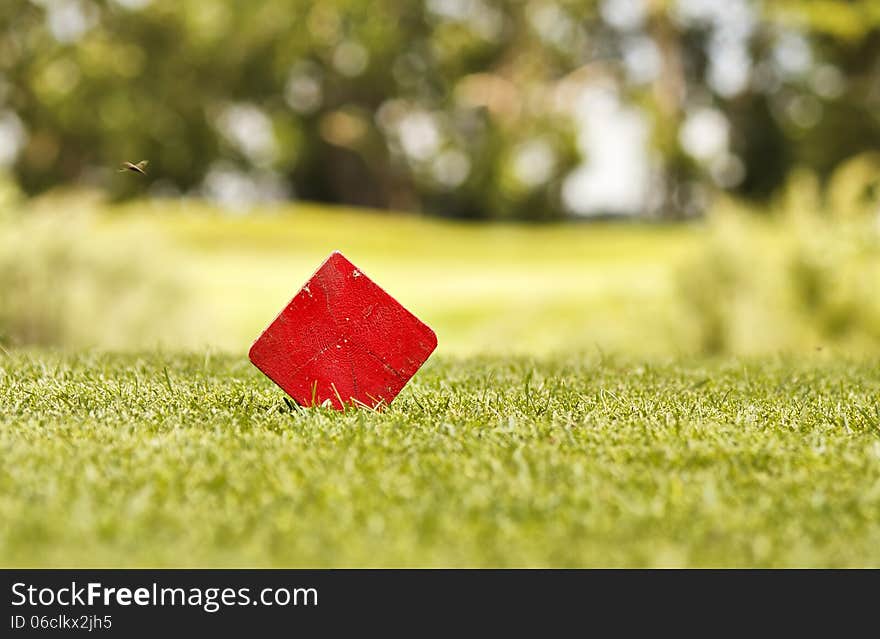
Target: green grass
pixel 504 289
pixel 520 444
pixel 163 459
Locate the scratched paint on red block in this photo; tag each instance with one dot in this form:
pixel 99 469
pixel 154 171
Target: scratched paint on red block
pixel 342 340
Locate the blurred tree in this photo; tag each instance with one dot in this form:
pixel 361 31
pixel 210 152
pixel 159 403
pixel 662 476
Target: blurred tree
pixel 475 108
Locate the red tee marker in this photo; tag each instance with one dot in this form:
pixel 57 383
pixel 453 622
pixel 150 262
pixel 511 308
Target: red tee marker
pixel 342 339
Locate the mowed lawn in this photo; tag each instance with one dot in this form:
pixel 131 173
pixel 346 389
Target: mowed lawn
pixel 502 288
pixel 164 459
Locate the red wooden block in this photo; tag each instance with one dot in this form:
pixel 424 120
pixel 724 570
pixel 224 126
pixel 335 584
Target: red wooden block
pixel 342 339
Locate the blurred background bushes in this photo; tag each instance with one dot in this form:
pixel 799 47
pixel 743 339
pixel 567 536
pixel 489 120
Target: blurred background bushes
pixel 534 109
pixel 804 271
pixel 67 279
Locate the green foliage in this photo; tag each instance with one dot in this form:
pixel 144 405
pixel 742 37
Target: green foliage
pixel 850 19
pixel 854 188
pixel 463 108
pixel 65 281
pixel 172 81
pixel 170 460
pixel 808 280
